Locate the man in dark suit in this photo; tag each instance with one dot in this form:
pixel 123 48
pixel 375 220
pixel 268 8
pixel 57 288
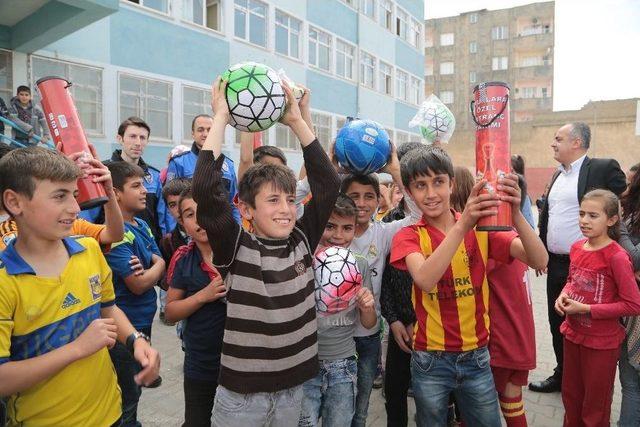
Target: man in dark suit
pixel 559 229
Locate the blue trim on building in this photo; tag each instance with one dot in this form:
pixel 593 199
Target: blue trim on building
pixel 404 113
pixel 409 59
pixel 335 16
pixel 331 94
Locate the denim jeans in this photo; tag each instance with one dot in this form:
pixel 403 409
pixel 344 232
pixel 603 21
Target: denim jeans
pixel 278 409
pixel 630 381
pixel 126 368
pixel 435 374
pixel 331 394
pixel 198 402
pixel 368 349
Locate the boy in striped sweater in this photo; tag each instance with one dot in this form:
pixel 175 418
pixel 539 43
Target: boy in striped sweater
pixel 270 341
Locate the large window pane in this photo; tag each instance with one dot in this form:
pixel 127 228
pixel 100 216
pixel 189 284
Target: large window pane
pixel 149 99
pixel 239 24
pixel 258 29
pixel 194 101
pixel 86 89
pixel 6 80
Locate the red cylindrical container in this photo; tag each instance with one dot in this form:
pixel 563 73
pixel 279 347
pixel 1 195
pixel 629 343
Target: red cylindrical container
pixel 65 127
pixel 490 112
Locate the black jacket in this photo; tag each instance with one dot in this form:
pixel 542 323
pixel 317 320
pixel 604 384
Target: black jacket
pixel 594 174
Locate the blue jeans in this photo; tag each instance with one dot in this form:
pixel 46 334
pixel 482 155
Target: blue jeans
pixel 630 381
pixel 436 374
pixel 331 394
pixel 368 349
pixel 126 368
pixel 279 409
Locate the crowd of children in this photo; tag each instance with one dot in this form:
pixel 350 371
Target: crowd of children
pixel 234 255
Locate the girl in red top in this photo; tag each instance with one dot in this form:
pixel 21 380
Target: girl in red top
pixel 600 289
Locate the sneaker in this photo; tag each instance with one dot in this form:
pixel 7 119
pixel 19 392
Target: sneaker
pixel 379 381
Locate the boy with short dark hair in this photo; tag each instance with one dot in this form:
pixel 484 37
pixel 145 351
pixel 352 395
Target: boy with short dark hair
pixel 270 340
pixel 196 295
pixel 29 118
pixel 57 311
pixel 447 259
pixel 137 267
pixel 174 238
pixel 332 393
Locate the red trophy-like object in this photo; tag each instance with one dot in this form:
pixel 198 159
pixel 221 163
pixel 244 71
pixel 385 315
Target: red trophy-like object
pixel 490 112
pixel 66 130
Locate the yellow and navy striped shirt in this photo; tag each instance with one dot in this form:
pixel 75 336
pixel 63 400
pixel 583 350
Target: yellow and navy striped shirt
pixel 40 314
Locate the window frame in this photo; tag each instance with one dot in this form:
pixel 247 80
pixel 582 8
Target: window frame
pixel 9 89
pixel 400 13
pixel 205 23
pixel 500 32
pixel 364 9
pixel 290 31
pixel 446 72
pixel 473 46
pixel 315 115
pixel 140 3
pixel 317 42
pixel 398 91
pixel 346 56
pixel 445 36
pixel 186 125
pixel 498 61
pixel 373 69
pixel 382 64
pixel 248 11
pixel 154 133
pixel 388 12
pixel 444 99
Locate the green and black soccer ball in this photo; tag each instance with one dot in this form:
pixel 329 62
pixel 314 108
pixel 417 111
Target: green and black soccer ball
pixel 254 95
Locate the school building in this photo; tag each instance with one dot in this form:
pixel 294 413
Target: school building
pixel 157 58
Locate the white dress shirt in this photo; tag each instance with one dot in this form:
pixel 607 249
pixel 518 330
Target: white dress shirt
pixel 564 229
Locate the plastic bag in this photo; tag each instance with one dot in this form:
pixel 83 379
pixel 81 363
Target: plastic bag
pixel 435 120
pixel 298 91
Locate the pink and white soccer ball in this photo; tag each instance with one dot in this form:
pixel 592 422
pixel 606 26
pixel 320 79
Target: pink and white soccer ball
pixel 338 280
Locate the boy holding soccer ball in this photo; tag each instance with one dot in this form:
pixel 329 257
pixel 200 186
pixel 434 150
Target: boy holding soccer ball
pixel 331 394
pixel 270 343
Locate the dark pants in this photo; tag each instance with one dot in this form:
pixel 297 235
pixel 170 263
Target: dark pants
pixel 126 368
pixel 397 381
pixel 198 402
pixel 368 349
pixel 557 272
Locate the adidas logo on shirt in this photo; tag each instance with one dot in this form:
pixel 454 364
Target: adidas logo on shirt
pixel 70 300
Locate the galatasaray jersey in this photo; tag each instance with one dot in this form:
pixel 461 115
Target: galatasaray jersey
pixel 41 314
pixel 454 315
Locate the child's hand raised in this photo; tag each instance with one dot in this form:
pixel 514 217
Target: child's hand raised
pixel 508 184
pixel 292 113
pixel 478 206
pixel 219 99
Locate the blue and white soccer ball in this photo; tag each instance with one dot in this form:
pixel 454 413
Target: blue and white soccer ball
pixel 362 147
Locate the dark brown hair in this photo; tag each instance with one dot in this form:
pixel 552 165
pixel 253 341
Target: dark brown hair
pixel 186 194
pixel 21 168
pixel 121 171
pixel 631 205
pixel 133 121
pixel 611 207
pixel 175 187
pixel 345 207
pixel 371 179
pixel 279 177
pixel 462 185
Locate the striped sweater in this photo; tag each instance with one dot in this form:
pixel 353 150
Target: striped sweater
pixel 270 340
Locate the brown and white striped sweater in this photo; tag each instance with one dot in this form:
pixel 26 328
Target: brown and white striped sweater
pixel 270 340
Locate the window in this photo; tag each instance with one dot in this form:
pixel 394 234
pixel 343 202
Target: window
pixel 367 70
pixel 385 14
pixel 415 90
pixel 402 24
pixel 385 79
pixel 401 84
pixel 6 80
pixel 545 92
pixel 415 33
pixel 264 137
pixel 428 67
pixel 159 5
pixel 86 89
pixel 194 101
pixel 322 125
pixel 148 99
pixel 340 122
pixel 285 138
pixel 250 21
pixel 368 8
pixel 446 68
pixel 473 47
pixel 446 96
pixel 207 13
pixel 446 39
pixel 319 49
pixel 473 18
pixel 288 35
pixel 528 92
pixel 531 61
pixel 473 77
pixel 345 59
pixel 500 63
pixel 499 33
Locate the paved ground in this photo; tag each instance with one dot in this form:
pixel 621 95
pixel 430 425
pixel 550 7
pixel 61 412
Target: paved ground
pixel 165 406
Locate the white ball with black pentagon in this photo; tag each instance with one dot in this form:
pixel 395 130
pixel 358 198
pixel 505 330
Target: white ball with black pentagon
pixel 254 95
pixel 338 280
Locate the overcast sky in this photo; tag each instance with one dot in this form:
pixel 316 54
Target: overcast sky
pixel 596 46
